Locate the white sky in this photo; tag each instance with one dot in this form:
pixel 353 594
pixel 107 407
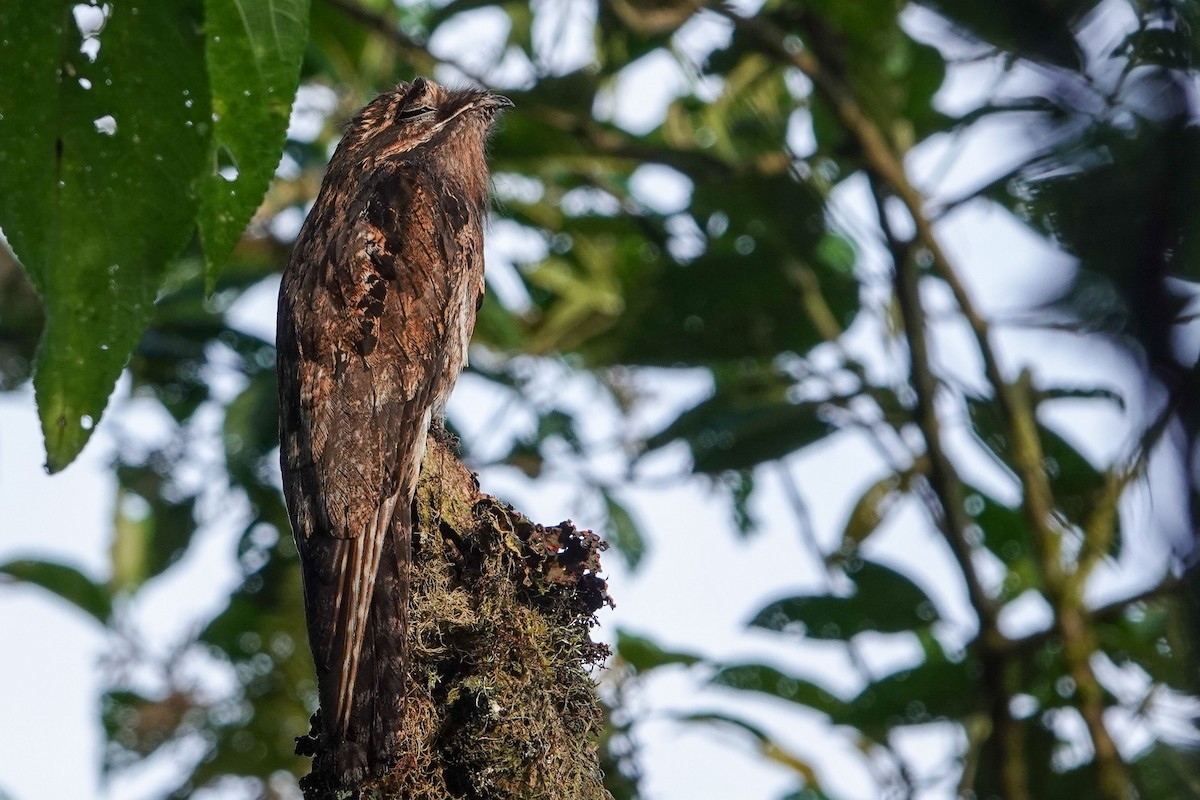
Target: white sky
pixel 698 585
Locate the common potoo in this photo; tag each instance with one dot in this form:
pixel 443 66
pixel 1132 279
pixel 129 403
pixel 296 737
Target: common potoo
pixel 375 312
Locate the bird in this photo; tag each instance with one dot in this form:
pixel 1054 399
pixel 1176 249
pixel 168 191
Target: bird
pixel 377 304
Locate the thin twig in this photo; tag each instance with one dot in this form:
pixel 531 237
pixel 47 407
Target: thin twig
pixel 1105 613
pixel 380 24
pixel 950 513
pixel 943 478
pixel 1102 522
pixel 415 51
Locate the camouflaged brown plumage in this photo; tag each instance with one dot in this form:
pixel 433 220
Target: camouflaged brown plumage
pixel 376 310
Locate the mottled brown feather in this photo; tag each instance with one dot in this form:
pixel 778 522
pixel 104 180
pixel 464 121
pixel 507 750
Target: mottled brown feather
pixel 375 312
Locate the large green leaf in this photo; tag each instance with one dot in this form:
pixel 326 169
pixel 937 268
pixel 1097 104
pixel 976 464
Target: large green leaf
pixel 623 531
pixel 1032 29
pixel 644 654
pixel 743 297
pixel 771 681
pixel 66 582
pixel 733 430
pixel 97 164
pixel 253 54
pixel 936 689
pixel 885 601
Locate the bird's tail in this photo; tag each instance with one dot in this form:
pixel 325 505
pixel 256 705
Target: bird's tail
pixel 362 692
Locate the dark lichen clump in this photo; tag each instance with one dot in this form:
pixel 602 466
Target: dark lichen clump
pixel 500 702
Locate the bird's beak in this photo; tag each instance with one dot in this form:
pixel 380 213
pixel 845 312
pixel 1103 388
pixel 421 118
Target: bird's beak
pixel 489 102
pixel 496 101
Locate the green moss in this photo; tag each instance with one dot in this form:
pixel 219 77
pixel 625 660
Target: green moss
pixel 501 703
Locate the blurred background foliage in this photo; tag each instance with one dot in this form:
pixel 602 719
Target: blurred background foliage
pixel 805 325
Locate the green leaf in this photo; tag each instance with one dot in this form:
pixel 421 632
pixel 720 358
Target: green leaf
pixel 1074 482
pixel 1167 772
pixel 740 484
pixel 97 164
pixel 1006 534
pixel 885 601
pixel 644 655
pixel 152 529
pixel 1029 28
pixel 251 429
pixel 837 253
pixel 1045 777
pixel 497 327
pixel 768 680
pixel 573 90
pixel 253 51
pixel 934 690
pixel 1080 393
pixel 555 424
pixel 1155 637
pixel 623 531
pixel 1047 781
pixel 66 582
pixel 926 72
pixel 734 431
pixel 1004 530
pixel 1169 47
pixel 742 297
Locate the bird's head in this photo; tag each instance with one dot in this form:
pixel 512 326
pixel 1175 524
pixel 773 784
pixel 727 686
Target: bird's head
pixel 421 117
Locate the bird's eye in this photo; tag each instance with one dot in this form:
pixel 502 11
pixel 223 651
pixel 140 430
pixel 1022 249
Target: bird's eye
pixel 413 113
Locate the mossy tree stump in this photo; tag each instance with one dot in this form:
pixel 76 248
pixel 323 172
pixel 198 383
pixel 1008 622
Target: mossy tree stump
pixel 500 702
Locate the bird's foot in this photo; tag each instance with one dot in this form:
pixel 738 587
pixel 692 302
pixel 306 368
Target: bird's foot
pixel 350 763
